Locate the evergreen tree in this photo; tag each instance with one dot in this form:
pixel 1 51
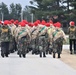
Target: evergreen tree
pixel 4 11
pixel 15 11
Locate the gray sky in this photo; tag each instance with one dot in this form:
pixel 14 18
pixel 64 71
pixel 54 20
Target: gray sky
pixel 22 2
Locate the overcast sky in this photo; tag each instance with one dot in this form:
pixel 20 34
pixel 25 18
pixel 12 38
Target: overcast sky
pixel 22 2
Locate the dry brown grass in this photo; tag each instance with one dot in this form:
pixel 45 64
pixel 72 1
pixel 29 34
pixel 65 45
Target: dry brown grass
pixel 68 58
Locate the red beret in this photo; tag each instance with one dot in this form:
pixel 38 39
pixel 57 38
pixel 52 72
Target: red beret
pixel 6 22
pixel 48 24
pixel 12 20
pixel 31 24
pixel 72 23
pixel 58 24
pixel 22 24
pixel 43 22
pixel 0 22
pixel 36 23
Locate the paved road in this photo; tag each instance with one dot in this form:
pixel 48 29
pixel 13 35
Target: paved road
pixel 33 65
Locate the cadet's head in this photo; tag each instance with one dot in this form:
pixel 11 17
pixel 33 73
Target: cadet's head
pixel 58 25
pixel 30 24
pixel 22 24
pixel 6 22
pixel 48 24
pixel 0 22
pixel 72 23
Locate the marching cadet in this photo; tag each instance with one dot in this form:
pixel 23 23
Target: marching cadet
pixel 58 37
pixel 0 27
pixel 42 36
pixel 23 40
pixel 50 31
pixel 16 31
pixel 34 38
pixel 5 39
pixel 72 37
pixel 12 45
pixel 30 28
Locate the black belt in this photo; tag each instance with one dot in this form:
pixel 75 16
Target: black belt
pixel 42 35
pixel 24 37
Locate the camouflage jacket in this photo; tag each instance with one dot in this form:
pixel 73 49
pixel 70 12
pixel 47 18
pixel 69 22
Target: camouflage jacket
pixel 5 34
pixel 0 29
pixel 59 33
pixel 72 32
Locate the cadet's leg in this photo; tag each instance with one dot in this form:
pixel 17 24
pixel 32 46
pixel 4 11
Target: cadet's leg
pixel 24 49
pixel 44 54
pixel 54 55
pixel 19 48
pixel 15 44
pixel 47 48
pixel 2 49
pixel 50 49
pixel 59 50
pixel 59 55
pixel 54 52
pixel 33 46
pixel 7 49
pixel 54 49
pixel 23 53
pixel 61 47
pixel 74 46
pixel 40 53
pixel 70 41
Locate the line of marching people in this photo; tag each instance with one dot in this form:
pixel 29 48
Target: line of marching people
pixel 39 37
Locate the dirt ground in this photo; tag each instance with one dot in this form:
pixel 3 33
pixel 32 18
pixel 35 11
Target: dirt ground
pixel 69 59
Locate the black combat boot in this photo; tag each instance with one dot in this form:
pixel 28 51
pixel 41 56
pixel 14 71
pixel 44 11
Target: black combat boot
pixel 50 51
pixel 2 55
pixel 33 51
pixel 59 55
pixel 46 51
pixel 71 52
pixel 40 54
pixel 24 55
pixel 44 54
pixel 19 53
pixel 6 54
pixel 53 55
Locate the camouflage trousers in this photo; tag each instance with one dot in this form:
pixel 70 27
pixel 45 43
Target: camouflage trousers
pixel 34 45
pixel 22 46
pixel 4 49
pixel 42 44
pixel 57 47
pixel 49 48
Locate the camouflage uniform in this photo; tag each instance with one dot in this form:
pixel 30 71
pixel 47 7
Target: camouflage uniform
pixel 42 43
pixel 50 31
pixel 0 30
pixel 5 39
pixel 58 37
pixel 12 44
pixel 34 40
pixel 23 40
pixel 72 38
